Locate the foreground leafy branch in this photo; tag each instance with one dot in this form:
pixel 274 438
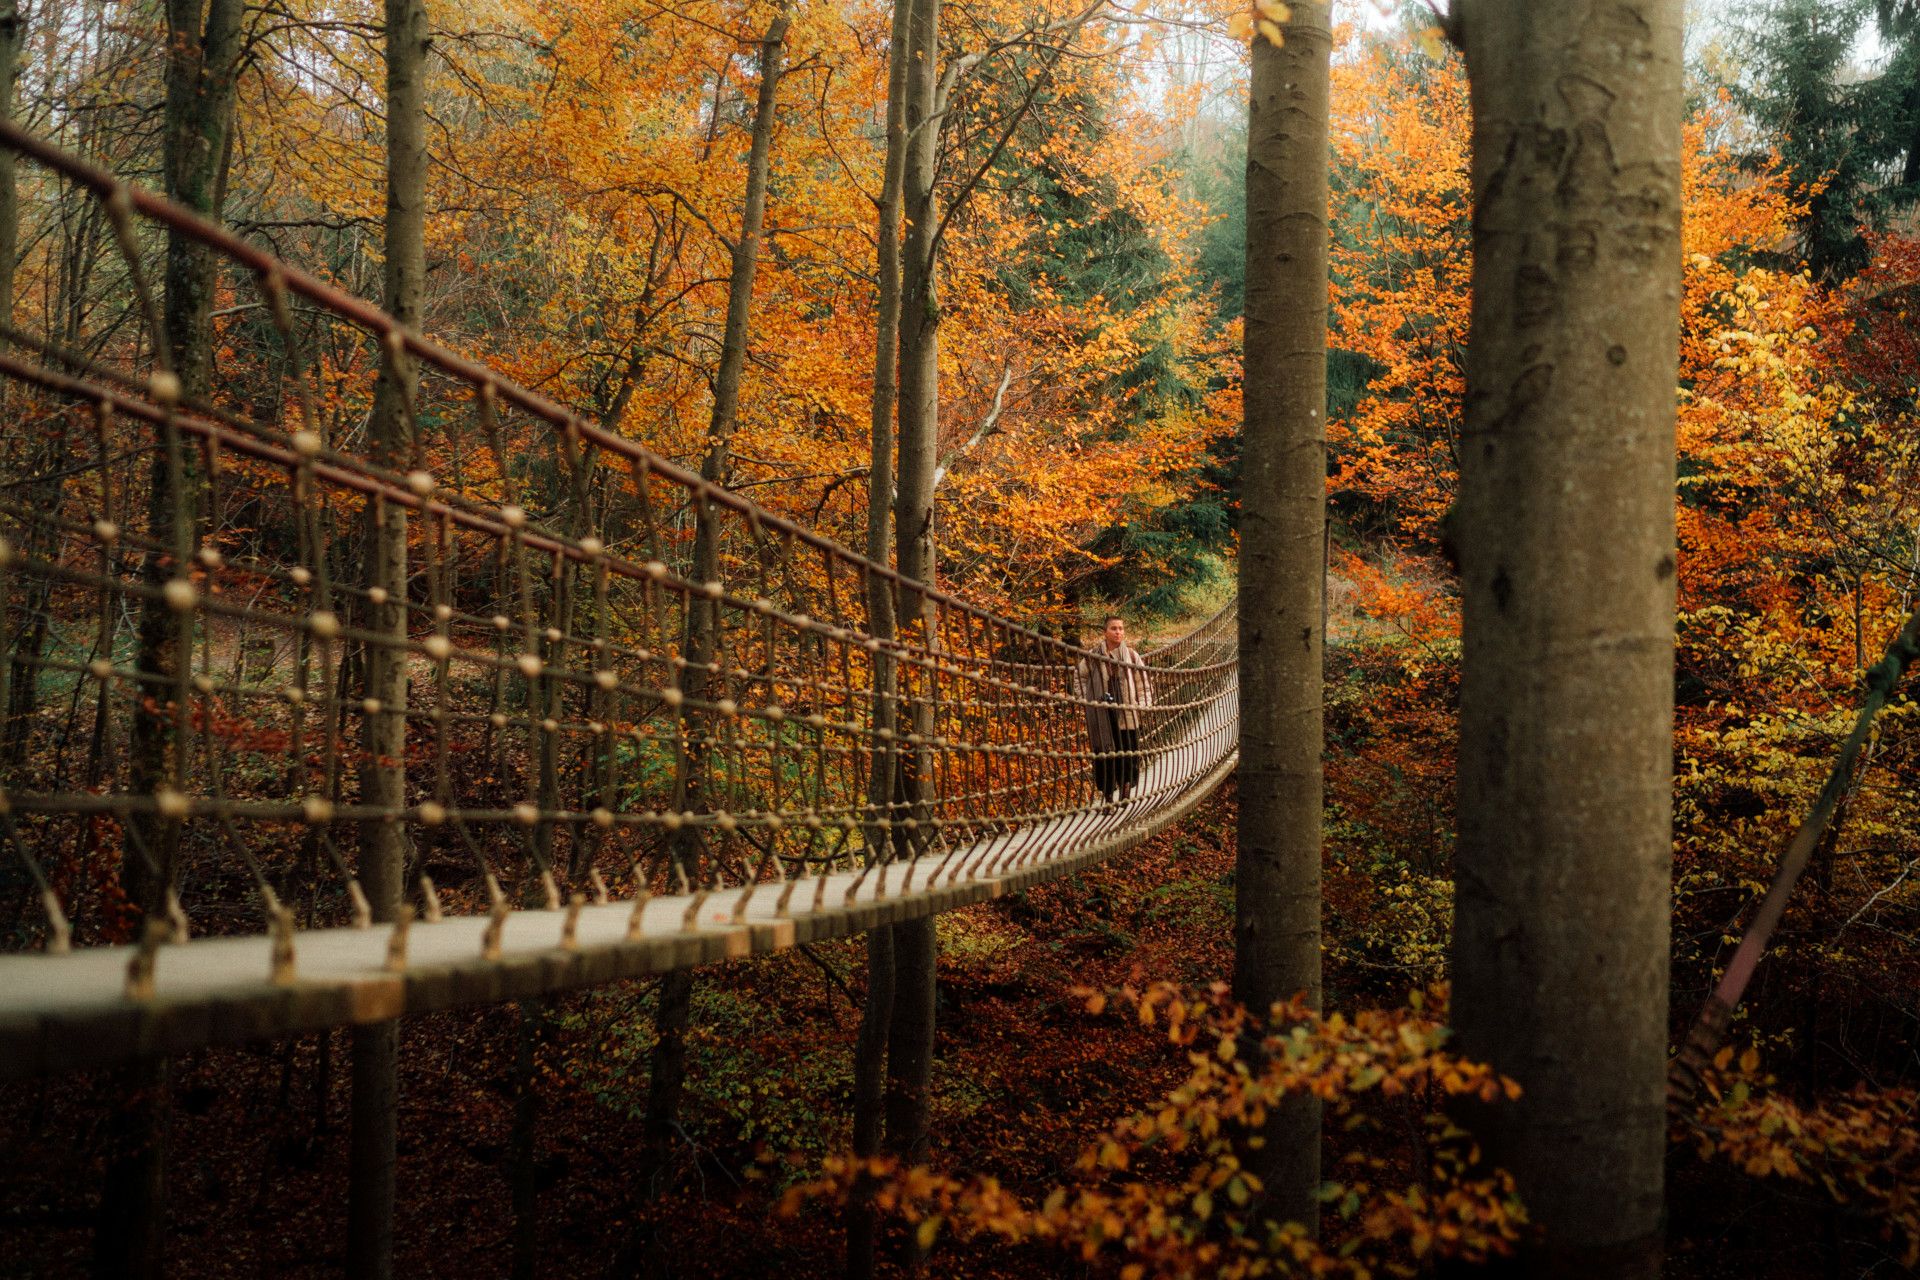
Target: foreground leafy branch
pixel 1862 1149
pixel 1163 1193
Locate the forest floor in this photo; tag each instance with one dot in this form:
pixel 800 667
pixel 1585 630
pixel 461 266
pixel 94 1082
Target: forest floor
pixel 1024 1077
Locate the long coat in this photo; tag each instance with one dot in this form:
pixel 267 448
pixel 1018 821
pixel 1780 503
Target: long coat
pixel 1124 675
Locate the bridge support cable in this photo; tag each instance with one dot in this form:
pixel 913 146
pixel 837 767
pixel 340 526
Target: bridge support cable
pixel 550 709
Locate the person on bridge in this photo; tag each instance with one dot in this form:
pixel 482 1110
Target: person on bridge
pixel 1112 681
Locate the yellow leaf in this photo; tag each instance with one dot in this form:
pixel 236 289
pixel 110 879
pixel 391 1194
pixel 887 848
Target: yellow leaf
pixel 1240 26
pixel 928 1232
pixel 1271 30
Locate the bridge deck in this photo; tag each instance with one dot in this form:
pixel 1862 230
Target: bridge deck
pixel 59 1012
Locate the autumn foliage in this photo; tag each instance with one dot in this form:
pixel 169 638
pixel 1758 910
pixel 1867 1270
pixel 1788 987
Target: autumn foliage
pixel 584 202
pixel 1796 512
pixel 1163 1193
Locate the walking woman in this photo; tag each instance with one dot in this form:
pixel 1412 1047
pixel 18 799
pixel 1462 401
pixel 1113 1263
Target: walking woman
pixel 1112 680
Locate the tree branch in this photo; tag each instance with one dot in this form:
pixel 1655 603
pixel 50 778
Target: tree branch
pixel 987 427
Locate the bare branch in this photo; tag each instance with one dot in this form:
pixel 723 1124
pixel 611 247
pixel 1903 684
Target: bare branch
pixel 987 427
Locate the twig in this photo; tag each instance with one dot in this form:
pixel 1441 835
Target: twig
pixel 833 976
pixel 1878 894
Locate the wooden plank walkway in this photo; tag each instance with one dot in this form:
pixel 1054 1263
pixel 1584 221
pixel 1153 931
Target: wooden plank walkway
pixel 62 1012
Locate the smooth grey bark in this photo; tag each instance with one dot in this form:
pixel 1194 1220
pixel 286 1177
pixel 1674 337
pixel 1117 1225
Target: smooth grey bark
pixel 919 391
pixel 876 1014
pixel 701 637
pixel 915 943
pixel 383 779
pixel 1566 538
pixel 390 443
pixel 1282 582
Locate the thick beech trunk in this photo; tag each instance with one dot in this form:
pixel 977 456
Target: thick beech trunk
pixel 876 1015
pixel 910 1033
pixel 1560 954
pixel 383 779
pixel 701 639
pixel 1282 572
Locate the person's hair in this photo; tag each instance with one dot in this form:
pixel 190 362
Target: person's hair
pixel 1112 617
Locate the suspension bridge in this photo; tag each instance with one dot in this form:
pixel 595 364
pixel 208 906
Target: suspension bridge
pixel 608 764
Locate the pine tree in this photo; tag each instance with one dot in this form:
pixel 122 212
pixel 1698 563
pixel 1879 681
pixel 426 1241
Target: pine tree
pixel 1844 139
pixel 1099 249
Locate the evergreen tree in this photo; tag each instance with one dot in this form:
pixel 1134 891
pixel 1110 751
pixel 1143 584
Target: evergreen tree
pixel 1899 22
pixel 1100 249
pixel 1845 140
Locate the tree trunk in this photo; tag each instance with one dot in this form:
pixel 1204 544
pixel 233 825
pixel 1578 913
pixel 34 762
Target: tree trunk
pixel 1910 166
pixel 203 48
pixel 13 37
pixel 526 1117
pixel 701 638
pixel 129 1241
pixel 876 1015
pixel 919 391
pixel 869 1095
pixel 383 779
pixel 1282 533
pixel 911 1030
pixel 201 70
pixel 1560 953
pixel 373 1069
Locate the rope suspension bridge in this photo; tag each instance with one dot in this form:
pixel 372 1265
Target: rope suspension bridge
pixel 601 762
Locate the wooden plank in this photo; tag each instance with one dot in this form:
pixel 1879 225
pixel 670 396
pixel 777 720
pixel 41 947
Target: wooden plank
pixel 67 1012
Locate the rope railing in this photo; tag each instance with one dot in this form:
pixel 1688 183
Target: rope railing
pixel 608 763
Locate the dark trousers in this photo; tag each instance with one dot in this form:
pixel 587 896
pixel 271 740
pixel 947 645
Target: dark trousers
pixel 1114 773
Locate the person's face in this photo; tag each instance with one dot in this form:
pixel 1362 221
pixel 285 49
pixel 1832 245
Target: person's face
pixel 1116 633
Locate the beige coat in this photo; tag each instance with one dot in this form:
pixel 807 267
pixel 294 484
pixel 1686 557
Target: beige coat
pixel 1125 675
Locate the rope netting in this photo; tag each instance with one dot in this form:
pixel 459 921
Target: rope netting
pixel 611 718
